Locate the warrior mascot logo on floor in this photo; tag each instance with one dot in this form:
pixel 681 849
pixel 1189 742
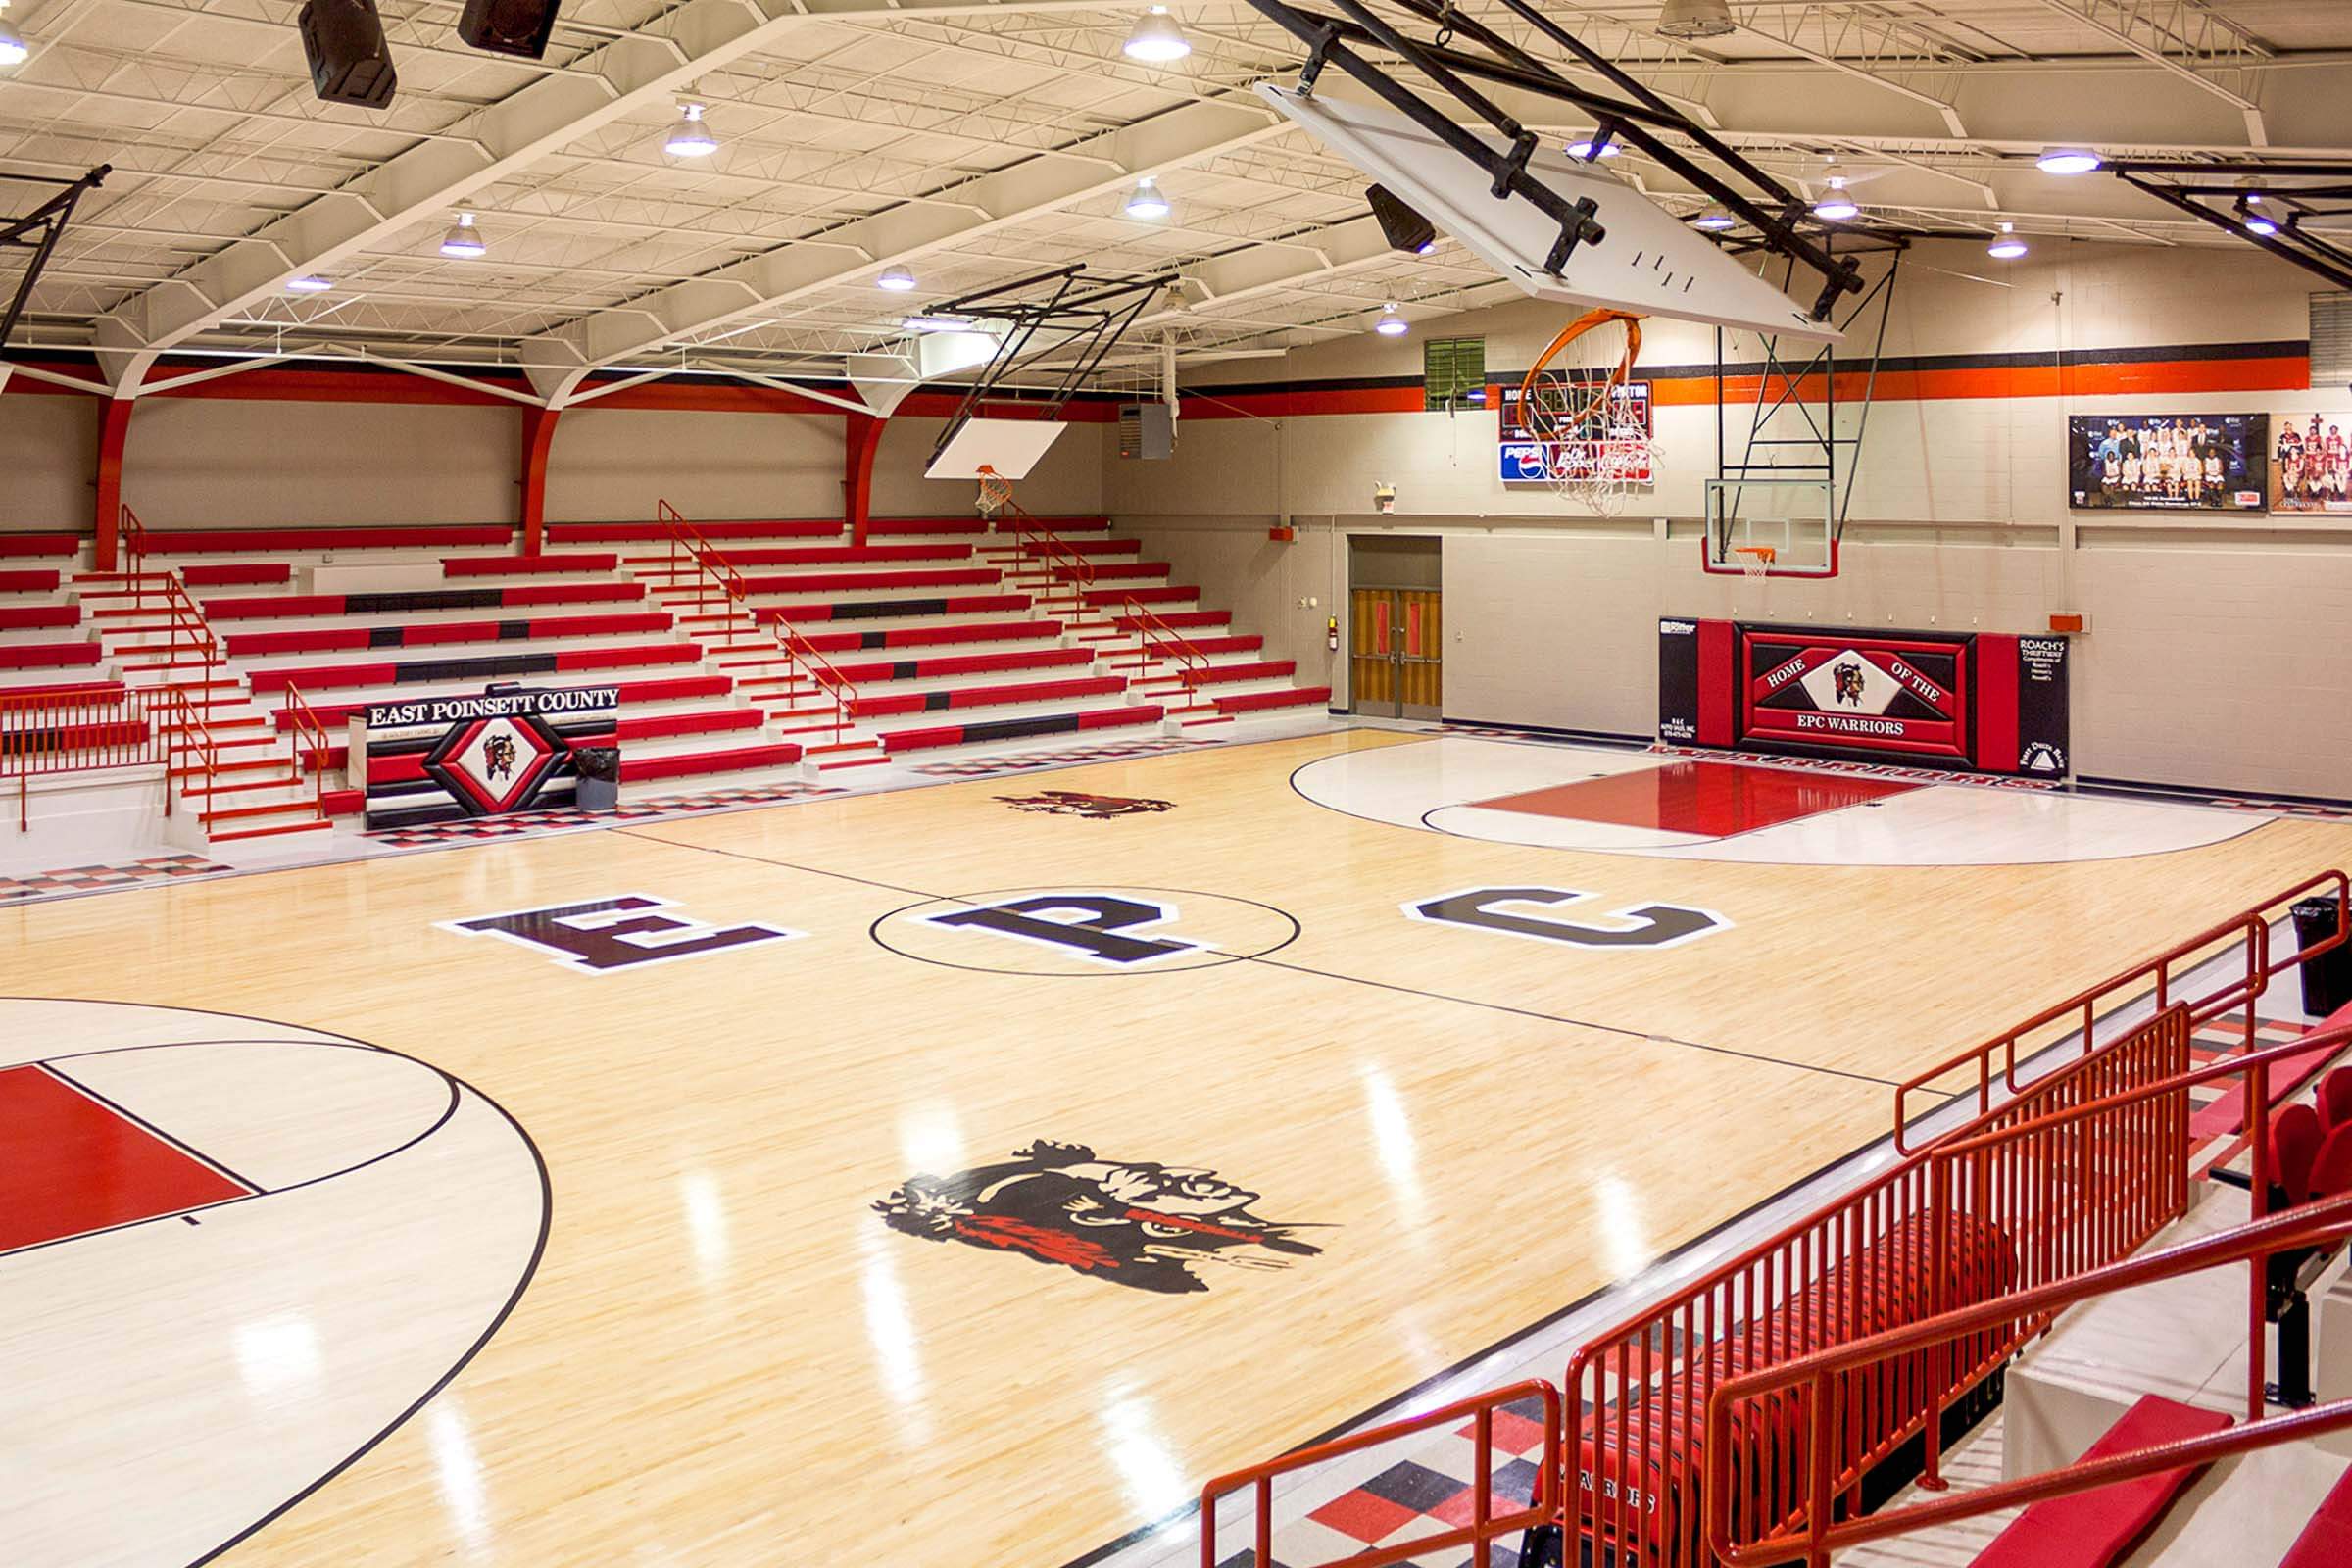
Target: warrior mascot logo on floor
pixel 1137 1223
pixel 1076 803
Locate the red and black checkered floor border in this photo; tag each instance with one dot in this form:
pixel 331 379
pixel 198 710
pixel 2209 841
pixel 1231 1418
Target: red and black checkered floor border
pixel 105 878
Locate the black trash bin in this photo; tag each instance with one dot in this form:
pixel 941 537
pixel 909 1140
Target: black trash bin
pixel 599 777
pixel 2327 978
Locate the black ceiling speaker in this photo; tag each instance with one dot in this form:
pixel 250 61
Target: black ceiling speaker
pixel 508 27
pixel 349 63
pixel 1404 229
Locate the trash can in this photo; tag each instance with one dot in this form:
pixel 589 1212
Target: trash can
pixel 2327 978
pixel 600 778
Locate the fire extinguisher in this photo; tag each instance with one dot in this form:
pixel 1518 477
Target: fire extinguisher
pixel 1330 633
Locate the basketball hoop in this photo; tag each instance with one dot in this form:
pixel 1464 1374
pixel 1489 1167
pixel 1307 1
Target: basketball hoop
pixel 1575 401
pixel 1756 560
pixel 995 491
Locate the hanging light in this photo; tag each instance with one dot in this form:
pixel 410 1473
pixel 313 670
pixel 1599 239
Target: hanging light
pixel 2008 248
pixel 13 49
pixel 1157 39
pixel 1389 324
pixel 2067 161
pixel 1714 218
pixel 937 323
pixel 899 280
pixel 1837 206
pixel 311 283
pixel 464 239
pixel 2254 220
pixel 1149 201
pixel 690 137
pixel 1583 148
pixel 1696 19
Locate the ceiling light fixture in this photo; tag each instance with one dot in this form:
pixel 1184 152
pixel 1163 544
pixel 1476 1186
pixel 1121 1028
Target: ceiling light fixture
pixel 463 240
pixel 1714 218
pixel 899 280
pixel 1837 206
pixel 2067 161
pixel 310 283
pixel 939 323
pixel 1157 39
pixel 1404 228
pixel 2008 248
pixel 1583 148
pixel 1696 19
pixel 1389 324
pixel 13 49
pixel 2254 222
pixel 1147 201
pixel 690 137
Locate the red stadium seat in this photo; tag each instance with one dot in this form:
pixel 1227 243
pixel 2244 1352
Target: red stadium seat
pixel 2296 1135
pixel 2335 1098
pixel 2331 1172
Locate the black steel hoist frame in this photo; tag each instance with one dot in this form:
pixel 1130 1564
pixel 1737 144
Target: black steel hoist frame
pixel 38 231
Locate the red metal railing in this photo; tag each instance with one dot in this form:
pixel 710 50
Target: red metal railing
pixel 1811 1394
pixel 2082 1010
pixel 192 752
pixel 313 746
pixel 1153 633
pixel 1484 1526
pixel 75 733
pixel 720 586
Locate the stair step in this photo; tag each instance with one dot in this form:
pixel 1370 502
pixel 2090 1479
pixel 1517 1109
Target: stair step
pixel 280 808
pixel 253 765
pixel 285 782
pixel 319 827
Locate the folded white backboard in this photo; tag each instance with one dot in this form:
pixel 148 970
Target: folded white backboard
pixel 1008 447
pixel 1650 264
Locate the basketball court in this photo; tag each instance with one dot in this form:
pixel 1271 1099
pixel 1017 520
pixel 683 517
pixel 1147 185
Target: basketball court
pixel 1260 783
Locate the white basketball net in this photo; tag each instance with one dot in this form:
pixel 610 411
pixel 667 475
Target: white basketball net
pixel 1596 446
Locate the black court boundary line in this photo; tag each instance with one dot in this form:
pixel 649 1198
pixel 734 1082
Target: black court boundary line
pixel 1296 968
pixel 837 793
pixel 1374 1414
pixel 498 1320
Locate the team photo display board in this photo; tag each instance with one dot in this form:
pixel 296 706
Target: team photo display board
pixel 1982 701
pixel 2311 466
pixel 2169 461
pixel 1522 459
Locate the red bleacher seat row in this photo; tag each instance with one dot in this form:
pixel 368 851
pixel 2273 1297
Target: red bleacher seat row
pixel 947 664
pixel 2326 1541
pixel 239 573
pixel 38 618
pixel 48 656
pixel 601 533
pixel 332 639
pixel 983 631
pixel 2097 1528
pixel 1004 729
pixel 670 690
pixel 22 545
pixel 252 541
pixel 951 696
pixel 1287 697
pixel 829 555
pixel 828 581
pixel 29 582
pixel 290 605
pixel 512 566
pixel 491 667
pixel 880 609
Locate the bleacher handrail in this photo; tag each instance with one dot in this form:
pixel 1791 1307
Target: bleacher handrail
pixel 1820 1373
pixel 66 733
pixel 1190 661
pixel 715 572
pixel 2250 924
pixel 309 736
pixel 1485 1525
pixel 190 737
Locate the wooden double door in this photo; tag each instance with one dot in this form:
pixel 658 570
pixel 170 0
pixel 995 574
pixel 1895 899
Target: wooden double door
pixel 1395 642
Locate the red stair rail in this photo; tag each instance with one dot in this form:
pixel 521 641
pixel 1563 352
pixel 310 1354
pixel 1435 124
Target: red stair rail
pixel 314 748
pixel 1809 1394
pixel 1032 537
pixel 1485 1527
pixel 1190 662
pixel 87 731
pixel 2082 1008
pixel 191 748
pixel 717 581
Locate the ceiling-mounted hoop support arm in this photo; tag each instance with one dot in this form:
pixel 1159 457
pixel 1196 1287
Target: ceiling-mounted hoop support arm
pixel 1778 216
pixel 46 223
pixel 2188 187
pixel 1094 313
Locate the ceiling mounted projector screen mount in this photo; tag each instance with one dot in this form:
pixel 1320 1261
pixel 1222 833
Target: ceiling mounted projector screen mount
pixel 1649 261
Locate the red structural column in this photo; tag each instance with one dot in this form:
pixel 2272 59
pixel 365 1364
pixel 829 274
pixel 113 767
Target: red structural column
pixel 114 434
pixel 858 443
pixel 538 439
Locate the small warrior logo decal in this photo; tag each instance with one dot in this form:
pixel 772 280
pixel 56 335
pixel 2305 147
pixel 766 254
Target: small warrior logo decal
pixel 1074 803
pixel 1848 676
pixel 498 754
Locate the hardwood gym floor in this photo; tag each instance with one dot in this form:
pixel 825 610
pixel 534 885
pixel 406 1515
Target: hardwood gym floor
pixel 1433 1134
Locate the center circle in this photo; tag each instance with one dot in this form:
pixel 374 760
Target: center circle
pixel 1071 931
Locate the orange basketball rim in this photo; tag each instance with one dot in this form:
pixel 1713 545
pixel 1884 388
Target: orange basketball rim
pixel 1553 407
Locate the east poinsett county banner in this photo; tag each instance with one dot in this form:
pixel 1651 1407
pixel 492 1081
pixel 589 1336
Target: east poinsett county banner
pixel 1988 701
